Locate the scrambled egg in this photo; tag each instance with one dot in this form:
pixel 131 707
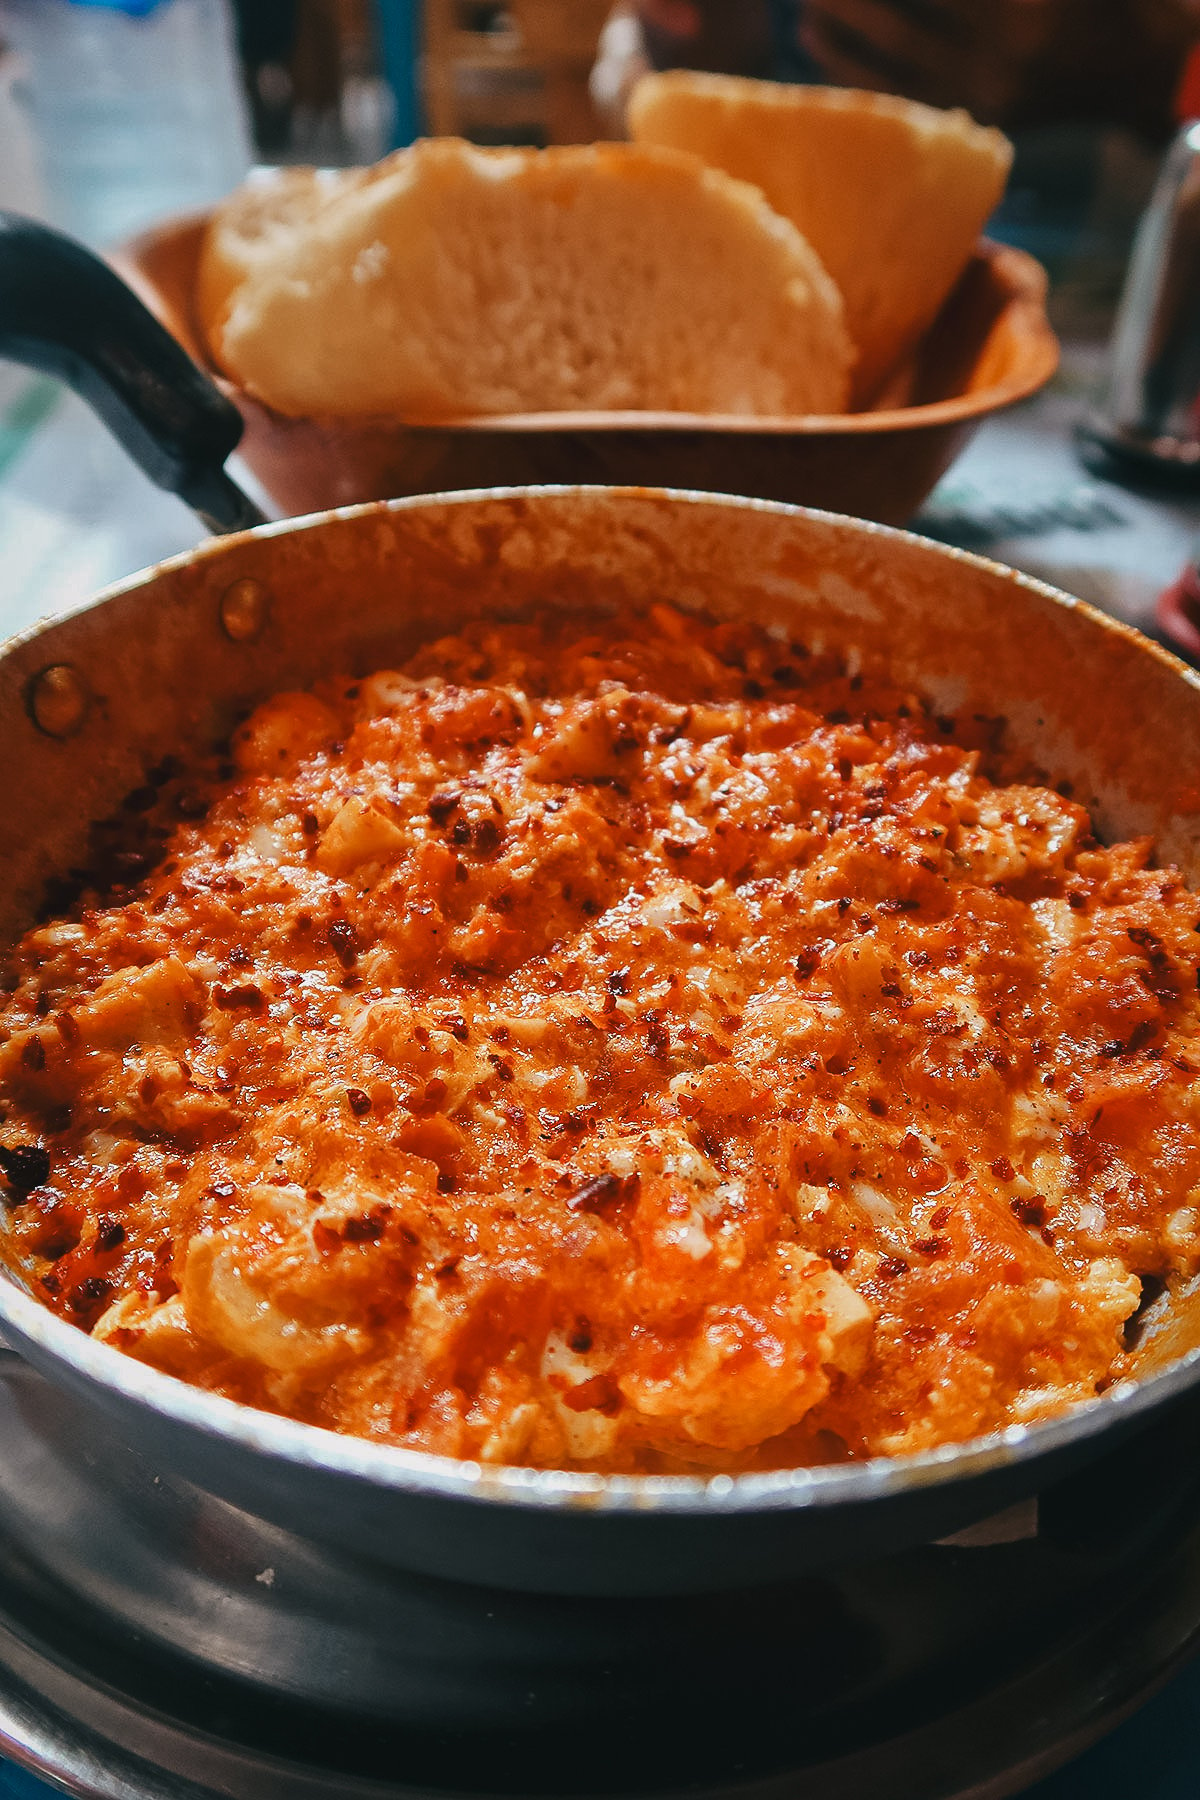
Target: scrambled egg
pixel 627 1043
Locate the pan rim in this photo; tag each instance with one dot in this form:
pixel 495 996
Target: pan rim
pixel 392 1468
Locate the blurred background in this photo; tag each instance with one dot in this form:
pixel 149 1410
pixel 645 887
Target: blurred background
pixel 115 114
pixel 107 105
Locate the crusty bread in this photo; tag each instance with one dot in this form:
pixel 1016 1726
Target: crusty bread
pixel 252 225
pixel 891 195
pixel 452 281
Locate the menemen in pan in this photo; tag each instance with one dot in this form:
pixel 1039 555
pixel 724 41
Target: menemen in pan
pixel 627 1043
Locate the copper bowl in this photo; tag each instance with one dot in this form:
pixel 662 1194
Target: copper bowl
pixel 990 346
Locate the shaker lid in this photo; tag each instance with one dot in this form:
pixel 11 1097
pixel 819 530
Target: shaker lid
pixel 137 9
pixel 1187 94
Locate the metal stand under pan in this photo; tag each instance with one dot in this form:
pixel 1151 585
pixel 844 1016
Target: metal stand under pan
pixel 156 1644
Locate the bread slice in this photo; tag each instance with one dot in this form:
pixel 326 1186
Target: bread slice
pixel 250 227
pixel 891 195
pixel 452 280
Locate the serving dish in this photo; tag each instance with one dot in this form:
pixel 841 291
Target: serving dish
pixel 168 661
pixel 990 347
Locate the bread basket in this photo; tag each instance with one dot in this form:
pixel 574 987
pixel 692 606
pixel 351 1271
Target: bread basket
pixel 990 347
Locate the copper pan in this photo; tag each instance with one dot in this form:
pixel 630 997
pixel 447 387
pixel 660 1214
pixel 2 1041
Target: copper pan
pixel 169 660
pixel 990 346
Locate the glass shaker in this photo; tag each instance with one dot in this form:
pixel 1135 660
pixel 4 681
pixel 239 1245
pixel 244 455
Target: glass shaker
pixel 136 106
pixel 1149 415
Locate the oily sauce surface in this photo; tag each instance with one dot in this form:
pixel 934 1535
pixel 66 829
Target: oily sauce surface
pixel 627 1043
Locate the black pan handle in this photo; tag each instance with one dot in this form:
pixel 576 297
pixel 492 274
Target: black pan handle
pixel 64 311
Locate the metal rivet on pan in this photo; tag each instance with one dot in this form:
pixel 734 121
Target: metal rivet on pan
pixel 244 608
pixel 58 701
